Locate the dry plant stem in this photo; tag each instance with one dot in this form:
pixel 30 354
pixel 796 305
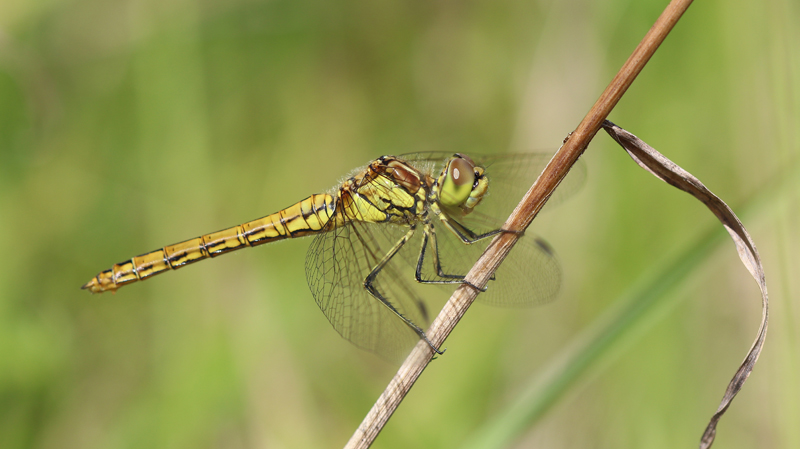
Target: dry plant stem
pixel 519 220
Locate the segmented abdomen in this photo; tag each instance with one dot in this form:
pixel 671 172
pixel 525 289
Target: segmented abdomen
pixel 304 218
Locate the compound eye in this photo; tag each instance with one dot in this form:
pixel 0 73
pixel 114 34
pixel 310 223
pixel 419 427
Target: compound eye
pixel 458 182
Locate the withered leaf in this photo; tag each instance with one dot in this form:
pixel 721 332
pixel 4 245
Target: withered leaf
pixel 661 167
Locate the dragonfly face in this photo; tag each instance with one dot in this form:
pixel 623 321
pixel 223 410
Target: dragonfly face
pixel 402 221
pixel 462 184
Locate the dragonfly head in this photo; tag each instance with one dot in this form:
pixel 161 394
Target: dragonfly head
pixel 462 184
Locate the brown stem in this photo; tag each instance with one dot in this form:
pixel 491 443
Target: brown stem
pixel 522 216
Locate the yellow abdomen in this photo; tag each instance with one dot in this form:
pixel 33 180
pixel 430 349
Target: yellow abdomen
pixel 304 218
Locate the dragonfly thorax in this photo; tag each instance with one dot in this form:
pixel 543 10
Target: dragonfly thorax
pixel 389 190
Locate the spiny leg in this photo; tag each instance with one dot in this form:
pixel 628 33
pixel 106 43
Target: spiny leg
pixel 430 235
pixel 437 260
pixel 453 278
pixel 369 285
pixel 468 237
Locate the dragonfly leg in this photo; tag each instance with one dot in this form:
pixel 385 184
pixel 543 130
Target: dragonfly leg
pixel 369 285
pixel 430 235
pixel 466 235
pixel 471 285
pixel 449 278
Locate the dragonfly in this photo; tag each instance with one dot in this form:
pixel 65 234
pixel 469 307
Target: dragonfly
pixel 397 224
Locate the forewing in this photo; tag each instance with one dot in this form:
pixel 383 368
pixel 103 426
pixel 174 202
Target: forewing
pixel 530 275
pixel 510 176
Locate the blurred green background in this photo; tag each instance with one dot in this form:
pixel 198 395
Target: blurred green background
pixel 126 125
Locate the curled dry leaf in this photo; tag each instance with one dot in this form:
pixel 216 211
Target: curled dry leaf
pixel 664 169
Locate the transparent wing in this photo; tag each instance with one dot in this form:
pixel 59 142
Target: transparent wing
pixel 337 264
pixel 510 176
pixel 339 260
pixel 530 275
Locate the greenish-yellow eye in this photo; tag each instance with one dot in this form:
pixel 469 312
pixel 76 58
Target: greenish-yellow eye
pixel 457 182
